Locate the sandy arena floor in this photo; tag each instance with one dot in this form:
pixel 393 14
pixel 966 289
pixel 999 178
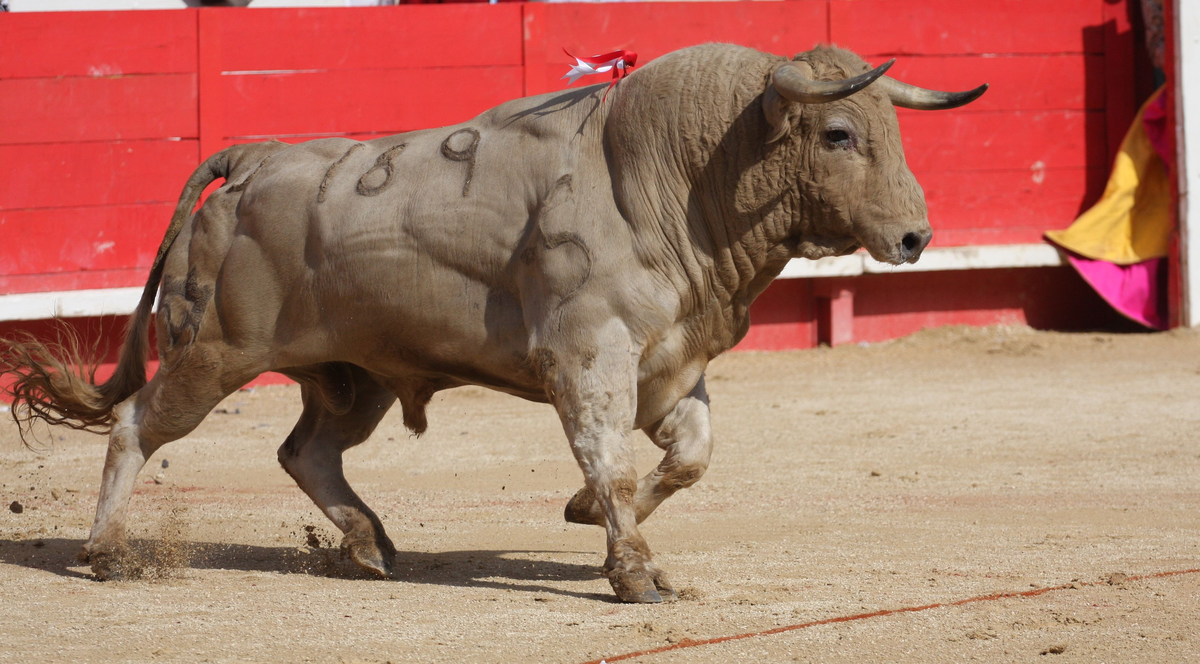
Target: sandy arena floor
pixel 949 465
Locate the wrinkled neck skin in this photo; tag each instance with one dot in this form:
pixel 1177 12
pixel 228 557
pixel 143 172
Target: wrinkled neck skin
pixel 717 212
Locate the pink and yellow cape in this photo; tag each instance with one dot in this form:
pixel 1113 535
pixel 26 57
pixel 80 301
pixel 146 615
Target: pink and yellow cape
pixel 1119 246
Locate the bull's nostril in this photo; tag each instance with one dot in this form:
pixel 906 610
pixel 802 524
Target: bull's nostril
pixel 911 242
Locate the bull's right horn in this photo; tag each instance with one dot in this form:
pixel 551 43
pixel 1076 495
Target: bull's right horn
pixel 906 95
pixel 795 86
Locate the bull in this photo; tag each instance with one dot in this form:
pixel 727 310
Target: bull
pixel 593 254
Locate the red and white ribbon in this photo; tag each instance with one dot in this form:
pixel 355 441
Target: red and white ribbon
pixel 618 62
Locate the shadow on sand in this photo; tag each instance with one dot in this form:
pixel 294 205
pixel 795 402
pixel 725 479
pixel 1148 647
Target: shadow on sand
pixel 500 570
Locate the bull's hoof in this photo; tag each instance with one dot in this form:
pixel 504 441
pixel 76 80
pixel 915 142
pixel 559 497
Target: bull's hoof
pixel 584 508
pixel 371 554
pixel 665 590
pixel 107 564
pixel 635 587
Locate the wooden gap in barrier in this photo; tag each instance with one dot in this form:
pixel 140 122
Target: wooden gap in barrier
pixel 1120 104
pixel 1176 258
pixel 835 311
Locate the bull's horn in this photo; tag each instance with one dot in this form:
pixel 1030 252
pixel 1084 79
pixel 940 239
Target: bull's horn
pixel 795 86
pixel 922 99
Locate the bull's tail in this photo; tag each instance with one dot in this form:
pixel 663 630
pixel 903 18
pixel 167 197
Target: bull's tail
pixel 56 383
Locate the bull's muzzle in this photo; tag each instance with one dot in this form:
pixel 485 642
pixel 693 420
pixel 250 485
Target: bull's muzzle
pixel 912 244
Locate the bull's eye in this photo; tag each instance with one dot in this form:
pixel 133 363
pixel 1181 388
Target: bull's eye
pixel 838 138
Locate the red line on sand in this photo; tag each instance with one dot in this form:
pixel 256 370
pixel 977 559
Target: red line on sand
pixel 688 643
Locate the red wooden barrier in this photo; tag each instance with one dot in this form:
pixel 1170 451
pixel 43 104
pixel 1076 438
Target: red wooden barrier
pixel 296 74
pixel 652 29
pixel 60 44
pixel 104 114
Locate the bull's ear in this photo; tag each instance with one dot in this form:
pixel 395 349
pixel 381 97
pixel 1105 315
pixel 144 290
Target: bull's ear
pixel 778 112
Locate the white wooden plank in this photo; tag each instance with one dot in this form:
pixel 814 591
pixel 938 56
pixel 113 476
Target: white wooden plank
pixel 1187 77
pixel 834 266
pixel 981 257
pixel 69 304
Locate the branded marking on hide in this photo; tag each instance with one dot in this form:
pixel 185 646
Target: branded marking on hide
pixel 333 168
pixel 560 193
pixel 234 188
pixel 557 240
pixel 466 153
pixel 384 163
pixel 183 322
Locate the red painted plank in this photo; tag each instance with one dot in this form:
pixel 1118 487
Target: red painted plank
pixel 102 332
pixel 966 237
pixel 945 27
pixel 211 88
pixel 535 21
pixel 73 239
pixel 783 317
pixel 45 44
pixel 893 305
pixel 998 199
pixel 61 281
pixel 46 110
pixel 407 36
pixel 872 27
pixel 84 174
pixel 1017 82
pixel 390 100
pixel 994 140
pixel 292 140
pixel 653 29
pixel 105 334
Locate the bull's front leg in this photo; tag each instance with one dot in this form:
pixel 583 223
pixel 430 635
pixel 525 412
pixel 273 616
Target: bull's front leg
pixel 593 386
pixel 685 434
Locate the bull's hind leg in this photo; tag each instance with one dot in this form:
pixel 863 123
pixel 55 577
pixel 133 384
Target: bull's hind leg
pixel 169 407
pixel 342 406
pixel 686 435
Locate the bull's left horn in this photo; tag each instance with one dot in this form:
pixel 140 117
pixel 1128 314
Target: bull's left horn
pixel 795 86
pixel 922 99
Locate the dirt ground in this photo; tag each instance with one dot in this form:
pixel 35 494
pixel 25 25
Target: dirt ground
pixel 952 464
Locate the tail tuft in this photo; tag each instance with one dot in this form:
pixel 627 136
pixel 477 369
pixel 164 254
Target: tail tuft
pixel 54 383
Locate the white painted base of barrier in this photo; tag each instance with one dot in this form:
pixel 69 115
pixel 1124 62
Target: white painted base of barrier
pixel 979 257
pixel 69 304
pixel 122 301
